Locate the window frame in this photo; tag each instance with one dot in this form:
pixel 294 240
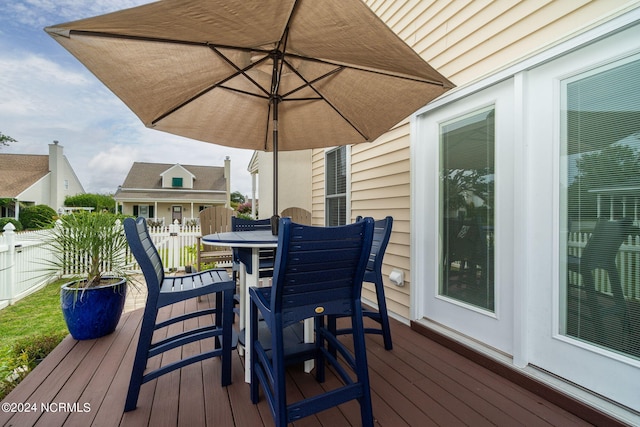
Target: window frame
pixel 346 195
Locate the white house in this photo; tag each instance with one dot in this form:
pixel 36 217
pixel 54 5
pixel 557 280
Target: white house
pixel 173 192
pixel 32 179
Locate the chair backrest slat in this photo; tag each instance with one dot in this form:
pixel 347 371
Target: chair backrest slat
pixel 241 224
pixel 145 253
pixel 215 219
pixel 297 215
pixel 381 235
pixel 319 270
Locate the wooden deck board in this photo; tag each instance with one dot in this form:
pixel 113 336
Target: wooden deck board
pixel 418 383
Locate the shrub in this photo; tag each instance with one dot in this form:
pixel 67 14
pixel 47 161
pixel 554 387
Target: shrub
pixel 15 222
pixel 244 208
pixel 34 348
pixel 98 201
pixel 24 356
pixel 37 217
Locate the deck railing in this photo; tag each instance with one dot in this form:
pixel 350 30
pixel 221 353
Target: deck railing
pixel 23 257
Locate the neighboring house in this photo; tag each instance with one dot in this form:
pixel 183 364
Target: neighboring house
pixel 31 179
pixel 166 192
pixel 540 85
pixel 294 180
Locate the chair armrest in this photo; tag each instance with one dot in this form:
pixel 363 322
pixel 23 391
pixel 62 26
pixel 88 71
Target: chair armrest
pixel 261 297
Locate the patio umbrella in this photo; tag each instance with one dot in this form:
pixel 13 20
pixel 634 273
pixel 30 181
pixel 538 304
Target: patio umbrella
pixel 264 75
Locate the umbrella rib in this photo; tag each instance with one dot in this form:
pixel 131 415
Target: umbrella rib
pixel 330 104
pixel 220 84
pixel 241 71
pixel 244 92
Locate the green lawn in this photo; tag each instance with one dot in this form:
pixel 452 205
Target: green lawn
pixel 29 329
pixel 39 313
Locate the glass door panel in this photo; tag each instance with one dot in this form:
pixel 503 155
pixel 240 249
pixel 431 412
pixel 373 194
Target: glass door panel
pixel 600 278
pixel 467 209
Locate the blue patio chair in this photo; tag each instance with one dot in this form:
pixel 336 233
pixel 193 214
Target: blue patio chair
pixel 265 269
pixel 600 253
pixel 373 274
pixel 163 291
pixel 318 272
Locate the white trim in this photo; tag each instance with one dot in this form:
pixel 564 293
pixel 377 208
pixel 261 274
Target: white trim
pixel 520 242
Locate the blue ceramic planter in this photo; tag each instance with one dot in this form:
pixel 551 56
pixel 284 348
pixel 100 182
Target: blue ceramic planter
pixel 93 312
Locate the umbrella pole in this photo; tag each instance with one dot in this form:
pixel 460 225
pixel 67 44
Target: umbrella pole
pixel 275 218
pixel 275 156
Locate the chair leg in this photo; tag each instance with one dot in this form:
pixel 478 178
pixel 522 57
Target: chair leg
pixel 332 326
pixel 255 393
pixel 362 372
pixel 279 403
pixel 384 315
pixel 318 323
pixel 226 307
pixel 140 360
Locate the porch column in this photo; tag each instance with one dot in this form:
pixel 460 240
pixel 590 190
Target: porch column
pixel 611 208
pixel 253 195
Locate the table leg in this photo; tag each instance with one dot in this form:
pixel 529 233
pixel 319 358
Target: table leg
pixel 242 291
pixel 308 338
pixel 252 279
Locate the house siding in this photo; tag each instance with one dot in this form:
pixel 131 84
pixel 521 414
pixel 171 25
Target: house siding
pixel 294 180
pixel 465 41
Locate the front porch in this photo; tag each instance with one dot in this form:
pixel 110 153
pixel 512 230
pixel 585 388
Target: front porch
pixel 420 382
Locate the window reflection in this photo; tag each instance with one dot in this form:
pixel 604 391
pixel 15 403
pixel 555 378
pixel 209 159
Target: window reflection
pixel 601 275
pixel 467 209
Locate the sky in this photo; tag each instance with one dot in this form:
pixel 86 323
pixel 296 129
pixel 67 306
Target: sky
pixel 47 95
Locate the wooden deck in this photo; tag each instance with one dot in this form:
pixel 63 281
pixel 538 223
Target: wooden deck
pixel 418 383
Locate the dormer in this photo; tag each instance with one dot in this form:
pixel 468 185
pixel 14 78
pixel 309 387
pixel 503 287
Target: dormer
pixel 177 177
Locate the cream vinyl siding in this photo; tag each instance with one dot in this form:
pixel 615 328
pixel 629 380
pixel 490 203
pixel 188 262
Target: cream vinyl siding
pixel 465 40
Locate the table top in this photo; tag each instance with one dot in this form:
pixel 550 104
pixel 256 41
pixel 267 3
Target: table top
pixel 242 239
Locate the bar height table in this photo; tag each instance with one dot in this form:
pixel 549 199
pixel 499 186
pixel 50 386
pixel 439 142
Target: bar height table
pixel 252 240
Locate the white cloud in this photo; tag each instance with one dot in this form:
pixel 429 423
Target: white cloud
pixel 39 13
pixel 47 95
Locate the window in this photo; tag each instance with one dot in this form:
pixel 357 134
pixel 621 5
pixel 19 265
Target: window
pixel 336 187
pixel 145 211
pixel 176 182
pixel 467 207
pixel 600 204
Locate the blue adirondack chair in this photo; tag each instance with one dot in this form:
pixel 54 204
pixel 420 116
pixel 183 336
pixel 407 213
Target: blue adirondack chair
pixel 163 291
pixel 318 271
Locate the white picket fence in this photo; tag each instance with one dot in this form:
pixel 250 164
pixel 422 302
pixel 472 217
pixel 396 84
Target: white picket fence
pixel 627 261
pixel 23 257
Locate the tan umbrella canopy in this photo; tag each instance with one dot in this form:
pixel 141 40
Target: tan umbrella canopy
pixel 264 75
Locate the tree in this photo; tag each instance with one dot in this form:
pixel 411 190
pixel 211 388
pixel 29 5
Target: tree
pixel 237 197
pixel 615 166
pixel 5 139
